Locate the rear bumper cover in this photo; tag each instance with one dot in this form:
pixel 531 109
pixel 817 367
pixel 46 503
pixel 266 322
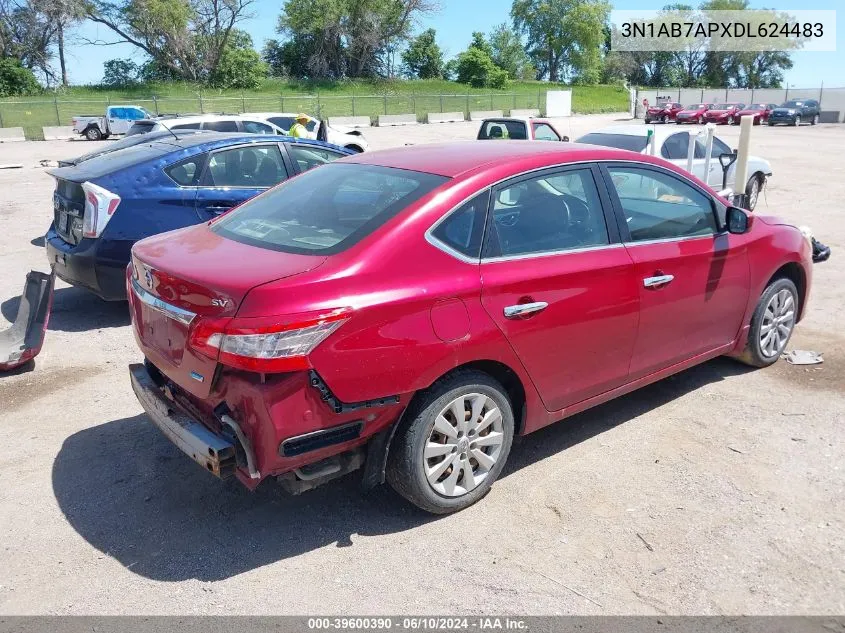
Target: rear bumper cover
pixel 212 452
pixel 81 265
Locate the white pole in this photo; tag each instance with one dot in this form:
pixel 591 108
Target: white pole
pixel 742 154
pixel 651 142
pixel 691 152
pixel 710 128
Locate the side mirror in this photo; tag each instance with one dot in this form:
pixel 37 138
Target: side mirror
pixel 737 220
pixel 565 139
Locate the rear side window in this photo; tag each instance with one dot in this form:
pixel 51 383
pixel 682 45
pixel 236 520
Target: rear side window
pixel 463 230
pixel 254 127
pixel 310 156
pixel 619 141
pixel 221 126
pixel 187 172
pixel 283 122
pixel 185 126
pixel 326 210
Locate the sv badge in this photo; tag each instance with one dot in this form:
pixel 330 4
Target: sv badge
pixel 220 303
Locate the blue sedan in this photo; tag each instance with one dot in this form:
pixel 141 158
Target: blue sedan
pixel 104 205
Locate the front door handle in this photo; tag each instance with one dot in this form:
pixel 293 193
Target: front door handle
pixel 657 280
pixel 523 309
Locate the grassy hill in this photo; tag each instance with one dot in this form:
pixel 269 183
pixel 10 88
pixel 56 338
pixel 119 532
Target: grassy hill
pixel 317 98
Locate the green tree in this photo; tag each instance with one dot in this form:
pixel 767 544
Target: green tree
pixel 480 42
pixel 240 66
pixel 15 80
pixel 476 68
pixel 120 73
pixel 423 57
pixel 564 36
pixel 508 53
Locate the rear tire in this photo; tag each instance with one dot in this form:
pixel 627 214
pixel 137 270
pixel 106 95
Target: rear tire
pixel 647 120
pixel 93 133
pixel 442 463
pixel 774 316
pixel 665 118
pixel 753 189
pixel 771 124
pixel 815 119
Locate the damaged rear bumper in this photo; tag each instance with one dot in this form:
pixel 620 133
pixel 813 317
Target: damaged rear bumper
pixel 214 453
pixel 23 340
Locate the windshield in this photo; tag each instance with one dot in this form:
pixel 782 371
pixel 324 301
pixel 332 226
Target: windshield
pixel 325 210
pixel 697 106
pixel 793 104
pixel 495 129
pixel 620 141
pixel 756 106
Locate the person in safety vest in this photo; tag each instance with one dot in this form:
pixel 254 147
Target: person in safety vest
pixel 298 129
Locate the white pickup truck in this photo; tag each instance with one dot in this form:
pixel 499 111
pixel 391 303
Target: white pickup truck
pixel 117 120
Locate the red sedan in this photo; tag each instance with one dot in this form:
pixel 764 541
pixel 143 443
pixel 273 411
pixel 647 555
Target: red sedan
pixel 663 113
pixel 409 311
pixel 693 113
pixel 725 113
pixel 760 112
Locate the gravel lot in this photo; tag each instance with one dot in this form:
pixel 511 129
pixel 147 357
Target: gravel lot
pixel 717 491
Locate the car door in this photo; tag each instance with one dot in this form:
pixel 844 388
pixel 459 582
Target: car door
pixel 558 283
pixel 118 120
pixel 235 174
pixel 692 276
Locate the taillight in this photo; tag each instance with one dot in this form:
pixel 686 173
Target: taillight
pixel 265 344
pixel 100 205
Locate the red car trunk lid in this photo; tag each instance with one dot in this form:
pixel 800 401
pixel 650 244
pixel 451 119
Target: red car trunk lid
pixel 168 298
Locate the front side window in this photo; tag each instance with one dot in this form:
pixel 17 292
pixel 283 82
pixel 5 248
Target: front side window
pixel 544 132
pixel 221 126
pixel 324 211
pixel 282 122
pixel 463 230
pixel 676 146
pixel 255 166
pixel 549 213
pixel 659 206
pixel 310 156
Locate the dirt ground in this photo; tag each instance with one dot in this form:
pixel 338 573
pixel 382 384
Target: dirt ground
pixel 717 491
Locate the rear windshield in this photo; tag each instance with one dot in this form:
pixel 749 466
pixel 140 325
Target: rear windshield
pixel 619 141
pixel 514 130
pixel 326 210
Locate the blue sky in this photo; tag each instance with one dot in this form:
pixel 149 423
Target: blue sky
pixel 455 22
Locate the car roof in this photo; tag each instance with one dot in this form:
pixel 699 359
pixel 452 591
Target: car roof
pixel 207 117
pixel 459 157
pixel 660 133
pixel 141 153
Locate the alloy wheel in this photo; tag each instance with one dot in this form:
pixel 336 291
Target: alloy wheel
pixel 754 193
pixel 464 444
pixel 778 323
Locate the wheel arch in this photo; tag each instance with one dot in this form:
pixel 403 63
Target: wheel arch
pixel 795 273
pixel 380 445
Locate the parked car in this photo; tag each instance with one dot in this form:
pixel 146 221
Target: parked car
pixel 117 120
pixel 673 145
pixel 519 128
pixel 413 309
pixel 104 205
pixel 663 112
pixel 724 113
pixel 796 112
pixel 126 141
pixel 760 112
pixel 693 113
pixel 214 122
pixel 350 138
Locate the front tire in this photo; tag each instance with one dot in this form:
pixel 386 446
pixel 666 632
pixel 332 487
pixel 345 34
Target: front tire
pixel 797 121
pixel 665 118
pixel 752 190
pixel 452 443
pixel 772 324
pixel 731 120
pixel 815 119
pixel 93 133
pixel 355 148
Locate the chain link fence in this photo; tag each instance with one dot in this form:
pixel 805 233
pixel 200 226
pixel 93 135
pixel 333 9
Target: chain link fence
pixel 33 114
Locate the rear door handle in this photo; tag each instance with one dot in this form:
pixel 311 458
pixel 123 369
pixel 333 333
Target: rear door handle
pixel 523 309
pixel 657 280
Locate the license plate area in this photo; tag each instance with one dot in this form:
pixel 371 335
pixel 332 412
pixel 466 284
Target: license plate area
pixel 162 333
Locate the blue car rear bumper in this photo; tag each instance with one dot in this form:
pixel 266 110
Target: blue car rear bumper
pixel 81 265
